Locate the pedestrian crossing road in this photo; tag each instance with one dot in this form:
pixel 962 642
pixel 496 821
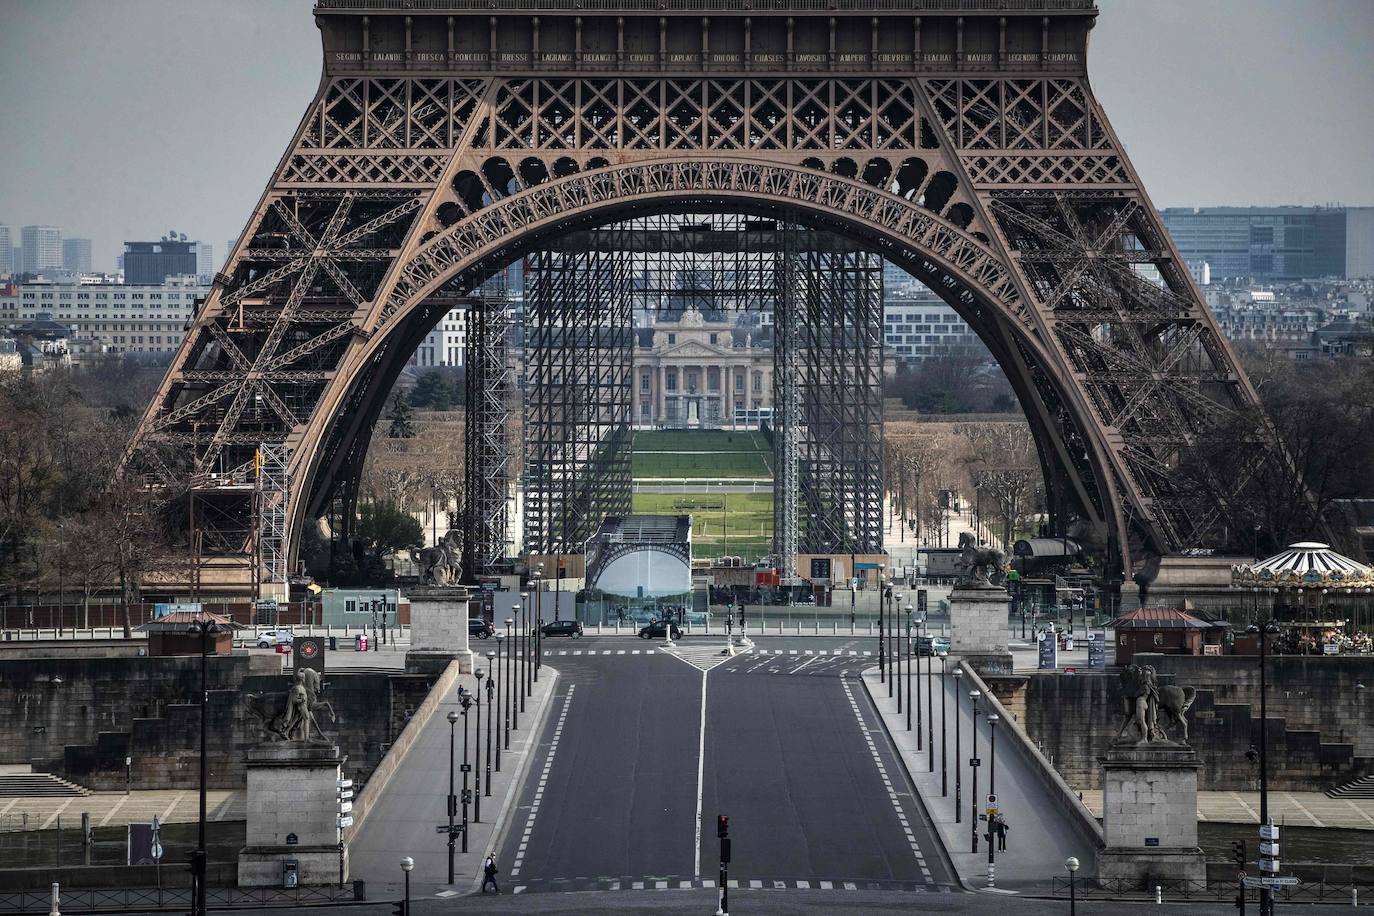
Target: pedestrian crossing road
pixel 680 882
pixel 756 660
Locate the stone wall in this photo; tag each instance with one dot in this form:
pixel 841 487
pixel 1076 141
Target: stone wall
pixel 80 718
pixel 1311 692
pixel 1074 717
pixel 49 703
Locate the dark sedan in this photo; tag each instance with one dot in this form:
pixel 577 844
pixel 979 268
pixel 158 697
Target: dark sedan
pixel 479 628
pixel 657 628
pixel 571 628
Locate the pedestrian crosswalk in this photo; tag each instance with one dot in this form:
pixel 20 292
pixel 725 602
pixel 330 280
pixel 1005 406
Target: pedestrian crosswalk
pixel 675 882
pixel 708 650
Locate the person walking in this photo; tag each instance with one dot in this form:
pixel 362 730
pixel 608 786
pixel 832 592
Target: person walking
pixel 489 874
pixel 999 826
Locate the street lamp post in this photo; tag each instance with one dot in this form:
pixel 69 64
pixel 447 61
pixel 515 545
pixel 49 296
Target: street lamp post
pixel 908 676
pixel 491 714
pixel 467 795
pixel 500 692
pixel 202 628
pixel 993 719
pixel 992 794
pixel 944 733
pixel 524 652
pixel 1266 902
pixel 452 799
pixel 930 700
pixel 973 696
pixel 897 658
pixel 477 751
pixel 894 627
pixel 884 592
pixel 958 754
pixel 1071 863
pixel 406 865
pixel 510 683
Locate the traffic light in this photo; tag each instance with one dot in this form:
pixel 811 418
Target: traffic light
pixel 1238 852
pixel 722 826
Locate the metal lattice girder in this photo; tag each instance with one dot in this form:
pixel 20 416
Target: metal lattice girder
pixel 440 147
pixel 489 457
pixel 578 397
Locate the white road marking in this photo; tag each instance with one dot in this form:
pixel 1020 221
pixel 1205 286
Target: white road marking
pixel 802 665
pixel 701 761
pixel 887 783
pixel 543 780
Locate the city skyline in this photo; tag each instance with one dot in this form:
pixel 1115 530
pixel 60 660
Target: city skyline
pixel 172 175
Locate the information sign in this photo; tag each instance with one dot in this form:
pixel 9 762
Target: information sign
pixel 1097 651
pixel 1049 652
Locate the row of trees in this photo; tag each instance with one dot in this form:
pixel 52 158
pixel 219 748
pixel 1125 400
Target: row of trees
pixel 960 382
pixel 67 524
pixel 1316 416
pixel 1319 414
pixel 992 462
pixel 440 388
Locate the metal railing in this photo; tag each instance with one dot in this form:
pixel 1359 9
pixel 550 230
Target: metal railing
pixel 146 900
pixel 729 6
pixel 1170 890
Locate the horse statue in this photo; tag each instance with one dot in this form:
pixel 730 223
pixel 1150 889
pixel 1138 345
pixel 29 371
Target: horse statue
pixel 294 715
pixel 1149 710
pixel 982 566
pixel 441 564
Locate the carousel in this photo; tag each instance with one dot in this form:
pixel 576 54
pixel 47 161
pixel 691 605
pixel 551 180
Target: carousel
pixel 1319 597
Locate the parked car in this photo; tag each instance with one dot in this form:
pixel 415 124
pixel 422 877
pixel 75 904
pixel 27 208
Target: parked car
pixel 572 628
pixel 932 645
pixel 269 638
pixel 479 628
pixel 657 628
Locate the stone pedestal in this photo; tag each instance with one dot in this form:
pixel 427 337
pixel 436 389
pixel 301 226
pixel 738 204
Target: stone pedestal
pixel 1149 814
pixel 438 628
pixel 978 628
pixel 293 814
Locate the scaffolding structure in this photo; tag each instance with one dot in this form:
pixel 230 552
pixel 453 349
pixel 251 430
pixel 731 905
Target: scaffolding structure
pixel 578 434
pixel 488 458
pixel 271 485
pixel 585 290
pixel 838 335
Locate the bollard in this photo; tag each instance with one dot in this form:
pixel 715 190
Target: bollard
pixel 1354 896
pixel 55 911
pixel 1159 894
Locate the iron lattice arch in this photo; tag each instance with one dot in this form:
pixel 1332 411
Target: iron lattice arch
pixel 963 144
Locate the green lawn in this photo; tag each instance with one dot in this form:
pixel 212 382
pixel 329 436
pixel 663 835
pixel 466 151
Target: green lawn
pixel 748 519
pixel 701 453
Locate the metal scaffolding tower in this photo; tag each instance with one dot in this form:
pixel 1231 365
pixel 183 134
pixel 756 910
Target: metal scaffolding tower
pixel 578 399
pixel 272 484
pixel 488 458
pixel 827 398
pixel 787 409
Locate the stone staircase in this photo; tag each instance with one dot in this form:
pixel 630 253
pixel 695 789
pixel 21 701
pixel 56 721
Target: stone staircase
pixel 1359 788
pixel 38 785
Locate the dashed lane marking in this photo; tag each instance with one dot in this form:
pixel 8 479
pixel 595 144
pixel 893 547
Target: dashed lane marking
pixel 543 780
pixel 892 793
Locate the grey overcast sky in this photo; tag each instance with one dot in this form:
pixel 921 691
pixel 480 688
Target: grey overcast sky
pixel 126 118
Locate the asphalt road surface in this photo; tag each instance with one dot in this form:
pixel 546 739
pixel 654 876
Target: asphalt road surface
pixel 630 775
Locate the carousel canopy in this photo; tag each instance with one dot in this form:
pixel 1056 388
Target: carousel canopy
pixel 1306 564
